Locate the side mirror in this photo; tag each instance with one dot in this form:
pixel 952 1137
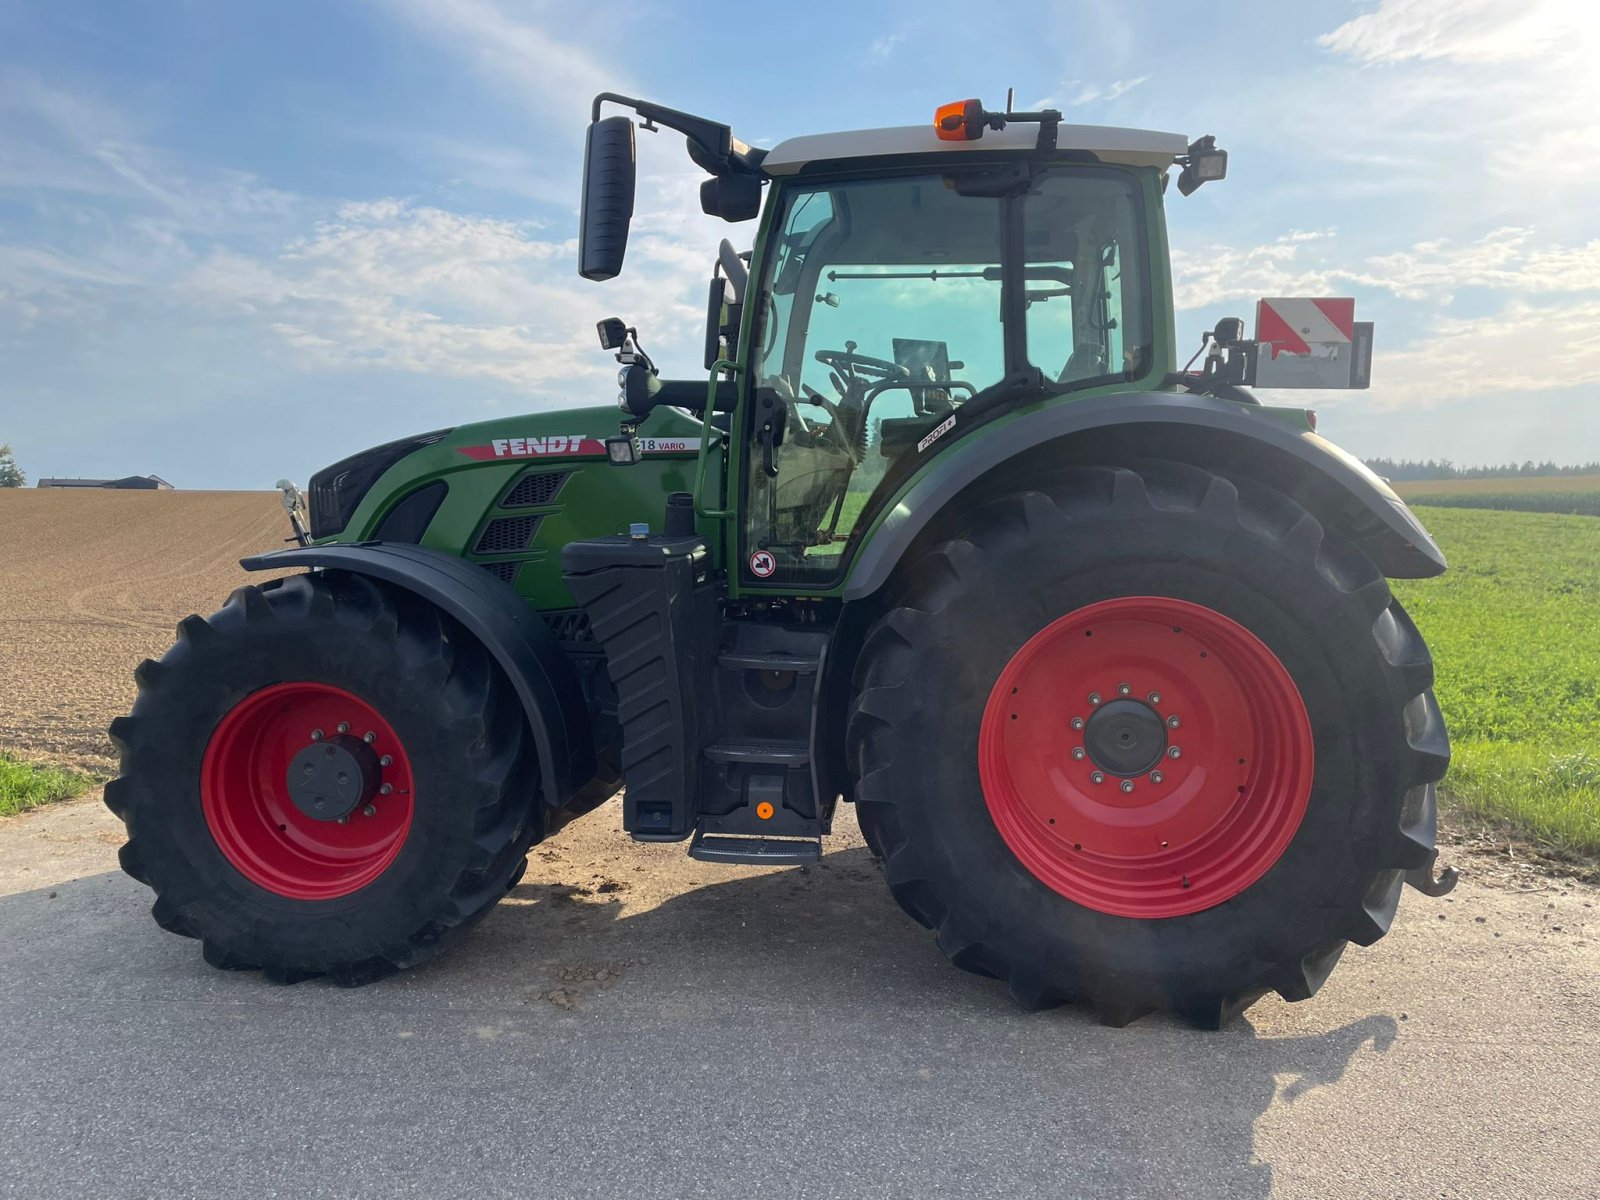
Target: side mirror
pixel 609 173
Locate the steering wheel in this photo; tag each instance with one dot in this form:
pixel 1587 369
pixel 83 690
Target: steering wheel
pixel 853 366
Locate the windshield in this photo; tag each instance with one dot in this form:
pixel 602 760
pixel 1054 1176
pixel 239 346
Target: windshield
pixel 881 315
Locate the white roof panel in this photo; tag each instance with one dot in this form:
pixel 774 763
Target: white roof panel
pixel 1136 147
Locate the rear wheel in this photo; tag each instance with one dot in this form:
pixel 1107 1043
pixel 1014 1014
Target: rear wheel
pixel 326 777
pixel 1190 743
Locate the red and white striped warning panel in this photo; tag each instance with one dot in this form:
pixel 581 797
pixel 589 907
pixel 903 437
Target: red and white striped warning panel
pixel 1308 342
pixel 1294 326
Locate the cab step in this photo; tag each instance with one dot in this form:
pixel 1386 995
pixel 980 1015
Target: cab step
pixel 776 660
pixel 755 851
pixel 764 754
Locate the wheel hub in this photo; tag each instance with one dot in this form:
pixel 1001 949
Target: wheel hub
pixel 329 780
pixel 1146 756
pixel 307 790
pixel 1125 737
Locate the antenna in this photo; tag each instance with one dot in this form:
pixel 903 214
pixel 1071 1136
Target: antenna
pixel 1011 94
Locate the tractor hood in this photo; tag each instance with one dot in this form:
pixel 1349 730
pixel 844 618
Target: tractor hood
pixel 353 499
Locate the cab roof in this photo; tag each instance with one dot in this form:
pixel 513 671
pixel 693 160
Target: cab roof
pixel 1108 143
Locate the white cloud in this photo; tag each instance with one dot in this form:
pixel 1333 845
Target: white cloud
pixel 1476 31
pixel 1523 347
pixel 65 143
pixel 1505 259
pixel 518 54
pixel 1078 92
pixel 1493 100
pixel 881 48
pixel 1510 261
pixel 385 284
pixel 1209 275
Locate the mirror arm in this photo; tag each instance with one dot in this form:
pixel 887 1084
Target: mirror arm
pixel 714 139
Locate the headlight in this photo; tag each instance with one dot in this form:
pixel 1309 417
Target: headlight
pixel 336 491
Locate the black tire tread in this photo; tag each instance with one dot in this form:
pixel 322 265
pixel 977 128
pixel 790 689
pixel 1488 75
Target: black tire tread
pixel 1223 508
pixel 475 706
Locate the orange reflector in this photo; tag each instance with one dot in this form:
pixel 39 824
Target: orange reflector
pixel 764 810
pixel 959 121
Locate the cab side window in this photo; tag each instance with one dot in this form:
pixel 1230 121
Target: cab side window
pixel 1083 239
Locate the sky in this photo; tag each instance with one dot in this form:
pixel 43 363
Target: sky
pixel 239 241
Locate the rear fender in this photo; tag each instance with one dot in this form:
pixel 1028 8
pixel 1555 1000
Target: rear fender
pixel 1218 435
pixel 510 629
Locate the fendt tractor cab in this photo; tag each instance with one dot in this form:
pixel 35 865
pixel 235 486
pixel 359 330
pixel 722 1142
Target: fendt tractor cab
pixel 1100 649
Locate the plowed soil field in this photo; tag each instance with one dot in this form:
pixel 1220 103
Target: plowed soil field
pixel 93 581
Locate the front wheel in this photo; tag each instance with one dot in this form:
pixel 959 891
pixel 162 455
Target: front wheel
pixel 1188 743
pixel 327 776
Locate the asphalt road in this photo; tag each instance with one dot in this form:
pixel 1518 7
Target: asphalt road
pixel 738 1033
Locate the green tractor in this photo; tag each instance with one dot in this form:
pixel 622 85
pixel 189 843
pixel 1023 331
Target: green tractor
pixel 1101 650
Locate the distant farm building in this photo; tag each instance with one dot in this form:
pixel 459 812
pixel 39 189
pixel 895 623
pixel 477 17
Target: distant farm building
pixel 134 483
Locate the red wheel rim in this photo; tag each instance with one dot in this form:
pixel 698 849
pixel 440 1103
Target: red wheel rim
pixel 245 795
pixel 1205 818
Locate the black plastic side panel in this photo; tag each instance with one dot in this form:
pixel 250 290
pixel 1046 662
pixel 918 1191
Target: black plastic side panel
pixel 1211 433
pixel 508 628
pixel 652 606
pixel 765 691
pixel 409 520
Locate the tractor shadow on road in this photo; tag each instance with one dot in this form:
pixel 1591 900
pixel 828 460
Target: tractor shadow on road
pixel 825 955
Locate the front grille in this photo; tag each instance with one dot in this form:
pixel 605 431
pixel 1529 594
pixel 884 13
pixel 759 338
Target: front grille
pixel 506 535
pixel 536 487
pixel 505 572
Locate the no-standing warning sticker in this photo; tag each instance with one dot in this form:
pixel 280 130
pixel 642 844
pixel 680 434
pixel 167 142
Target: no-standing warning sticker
pixel 762 564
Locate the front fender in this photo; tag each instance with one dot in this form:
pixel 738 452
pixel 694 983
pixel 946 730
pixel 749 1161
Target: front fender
pixel 513 633
pixel 1218 435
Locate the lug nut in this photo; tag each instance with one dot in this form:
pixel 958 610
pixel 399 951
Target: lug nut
pixel 344 821
pixel 1097 777
pixel 369 737
pixel 1078 753
pixel 344 726
pixel 386 789
pixel 370 810
pixel 316 735
pixel 1077 722
pixel 1123 689
pixel 1174 752
pixel 1172 722
pixel 1126 785
pixel 1156 776
pixel 1155 697
pixel 1094 697
pixel 386 761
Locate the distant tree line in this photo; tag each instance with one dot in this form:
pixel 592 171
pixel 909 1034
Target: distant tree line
pixel 1405 469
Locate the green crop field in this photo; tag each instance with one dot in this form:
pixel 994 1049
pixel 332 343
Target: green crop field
pixel 1571 494
pixel 1515 632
